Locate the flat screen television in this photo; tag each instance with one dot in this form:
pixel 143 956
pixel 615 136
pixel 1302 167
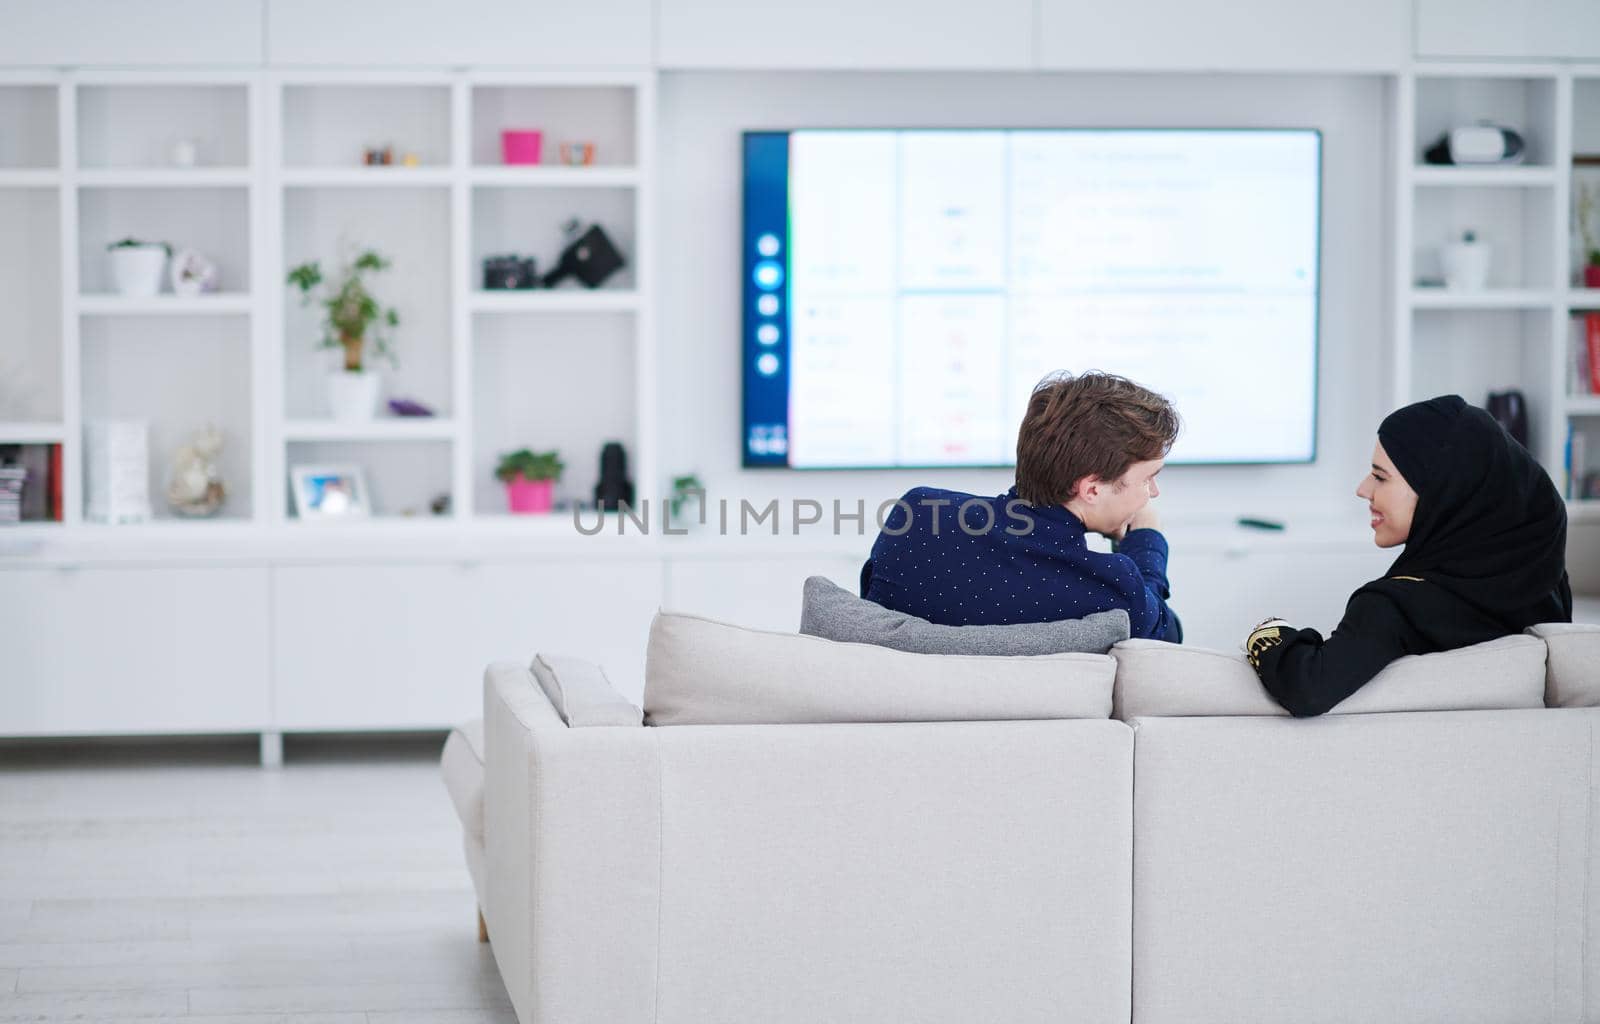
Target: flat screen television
pixel 905 289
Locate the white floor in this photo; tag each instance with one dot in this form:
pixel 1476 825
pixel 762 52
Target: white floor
pixel 191 884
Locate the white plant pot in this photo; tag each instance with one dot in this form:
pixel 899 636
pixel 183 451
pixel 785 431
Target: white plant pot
pixel 138 270
pixel 1466 265
pixel 352 396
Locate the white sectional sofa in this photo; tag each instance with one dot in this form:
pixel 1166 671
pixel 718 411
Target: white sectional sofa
pixel 1201 857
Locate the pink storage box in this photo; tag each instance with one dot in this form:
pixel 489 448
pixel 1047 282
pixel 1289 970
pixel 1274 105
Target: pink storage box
pixel 520 147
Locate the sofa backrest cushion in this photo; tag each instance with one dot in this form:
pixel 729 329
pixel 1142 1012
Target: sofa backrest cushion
pixel 1157 679
pixel 834 613
pixel 1572 670
pixel 702 672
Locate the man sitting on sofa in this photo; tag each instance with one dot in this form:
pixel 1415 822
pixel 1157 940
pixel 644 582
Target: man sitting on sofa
pixel 1088 453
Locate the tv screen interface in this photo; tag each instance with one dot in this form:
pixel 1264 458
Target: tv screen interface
pixel 904 290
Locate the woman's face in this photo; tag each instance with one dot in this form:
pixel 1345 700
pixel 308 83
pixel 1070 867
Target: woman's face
pixel 1390 498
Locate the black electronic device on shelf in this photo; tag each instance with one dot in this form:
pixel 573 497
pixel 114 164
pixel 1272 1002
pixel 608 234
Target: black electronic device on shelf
pixel 591 258
pixel 1510 410
pixel 614 488
pixel 509 273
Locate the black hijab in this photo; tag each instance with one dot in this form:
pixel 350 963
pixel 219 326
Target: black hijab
pixel 1489 532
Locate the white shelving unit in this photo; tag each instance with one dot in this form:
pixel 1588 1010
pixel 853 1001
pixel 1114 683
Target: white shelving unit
pixel 463 350
pixel 1517 332
pixel 277 177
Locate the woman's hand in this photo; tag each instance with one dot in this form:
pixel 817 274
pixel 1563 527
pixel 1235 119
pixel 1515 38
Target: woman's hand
pixel 1257 642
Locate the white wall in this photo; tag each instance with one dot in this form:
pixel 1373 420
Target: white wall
pixel 703 113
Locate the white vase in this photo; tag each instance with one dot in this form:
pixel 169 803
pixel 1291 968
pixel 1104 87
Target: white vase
pixel 352 396
pixel 138 270
pixel 1466 265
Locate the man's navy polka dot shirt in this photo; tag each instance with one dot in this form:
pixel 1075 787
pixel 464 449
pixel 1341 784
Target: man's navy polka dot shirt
pixel 1013 562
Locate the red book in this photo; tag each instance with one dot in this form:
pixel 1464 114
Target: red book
pixel 55 470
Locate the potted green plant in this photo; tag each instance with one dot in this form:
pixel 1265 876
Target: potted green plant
pixel 1587 202
pixel 682 488
pixel 353 321
pixel 137 267
pixel 530 478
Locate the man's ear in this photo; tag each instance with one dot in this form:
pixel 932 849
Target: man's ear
pixel 1088 488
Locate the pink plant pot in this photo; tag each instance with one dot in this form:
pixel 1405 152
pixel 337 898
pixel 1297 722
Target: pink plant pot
pixel 521 147
pixel 529 497
pixel 1591 276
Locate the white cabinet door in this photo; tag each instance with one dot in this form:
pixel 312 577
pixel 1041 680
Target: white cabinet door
pixel 405 646
pixel 133 650
pixel 1494 28
pixel 760 593
pixel 1247 35
pixel 213 33
pixel 869 34
pixel 519 33
pixel 370 647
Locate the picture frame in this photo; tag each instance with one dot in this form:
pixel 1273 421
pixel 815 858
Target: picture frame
pixel 330 492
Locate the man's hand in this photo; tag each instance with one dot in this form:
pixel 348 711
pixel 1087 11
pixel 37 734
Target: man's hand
pixel 1146 518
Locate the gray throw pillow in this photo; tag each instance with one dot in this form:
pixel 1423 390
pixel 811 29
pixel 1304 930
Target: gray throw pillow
pixel 834 613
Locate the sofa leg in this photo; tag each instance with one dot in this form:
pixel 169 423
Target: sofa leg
pixel 483 928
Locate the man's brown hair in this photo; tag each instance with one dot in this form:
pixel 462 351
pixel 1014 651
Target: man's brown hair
pixel 1092 424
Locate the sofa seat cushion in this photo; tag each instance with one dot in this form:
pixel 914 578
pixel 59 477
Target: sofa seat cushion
pixel 1572 669
pixel 462 767
pixel 834 613
pixel 702 672
pixel 1157 679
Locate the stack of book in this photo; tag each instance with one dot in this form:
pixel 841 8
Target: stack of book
pixel 30 483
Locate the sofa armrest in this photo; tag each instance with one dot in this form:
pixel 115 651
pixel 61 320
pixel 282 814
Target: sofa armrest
pixel 573 850
pixel 582 694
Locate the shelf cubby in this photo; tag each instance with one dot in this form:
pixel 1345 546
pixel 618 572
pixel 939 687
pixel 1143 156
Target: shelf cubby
pixel 1524 103
pixel 403 477
pixel 552 381
pixel 530 221
pixel 1474 352
pixel 1585 172
pixel 1583 477
pixel 30 305
pixel 212 220
pixel 409 227
pixel 333 124
pixel 29 139
pixel 139 126
pixel 1516 223
pixel 601 115
pixel 179 374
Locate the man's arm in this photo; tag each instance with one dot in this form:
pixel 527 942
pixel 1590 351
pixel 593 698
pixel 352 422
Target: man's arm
pixel 1150 617
pixel 1143 543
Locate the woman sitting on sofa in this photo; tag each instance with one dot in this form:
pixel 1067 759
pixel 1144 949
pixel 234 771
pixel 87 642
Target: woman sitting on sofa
pixel 1485 535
